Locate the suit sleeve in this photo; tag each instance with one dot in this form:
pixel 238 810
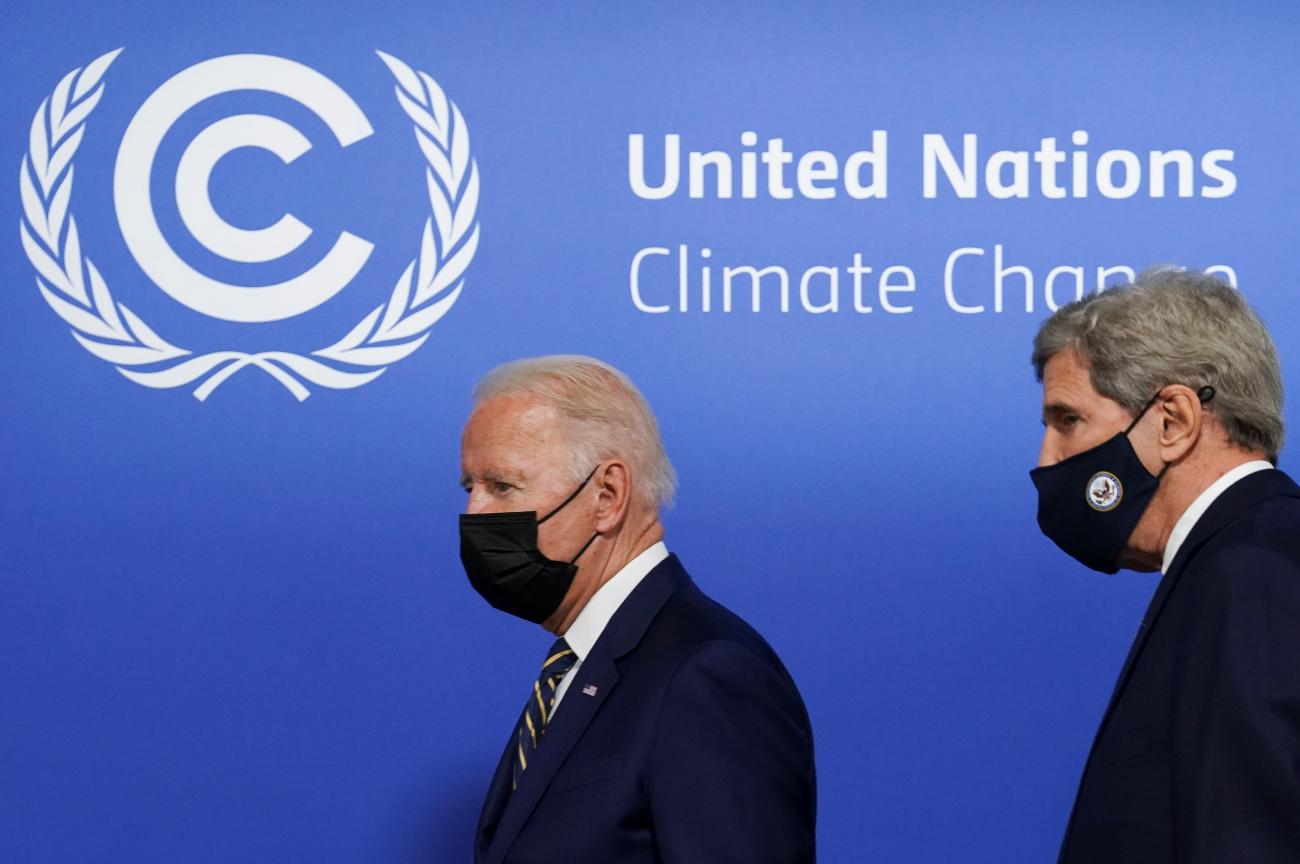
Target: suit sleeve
pixel 732 778
pixel 1236 782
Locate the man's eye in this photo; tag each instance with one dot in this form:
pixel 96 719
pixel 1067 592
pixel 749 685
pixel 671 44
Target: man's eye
pixel 1068 420
pixel 501 488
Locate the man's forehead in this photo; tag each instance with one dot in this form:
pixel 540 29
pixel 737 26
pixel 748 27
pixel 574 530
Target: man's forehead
pixel 1066 378
pixel 513 431
pixel 1068 390
pixel 509 415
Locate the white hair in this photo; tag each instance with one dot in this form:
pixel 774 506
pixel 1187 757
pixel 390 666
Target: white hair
pixel 608 417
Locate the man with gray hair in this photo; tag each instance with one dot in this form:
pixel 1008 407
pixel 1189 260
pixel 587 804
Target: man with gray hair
pixel 661 728
pixel 1162 403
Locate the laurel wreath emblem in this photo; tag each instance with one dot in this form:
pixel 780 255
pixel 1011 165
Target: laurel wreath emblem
pixel 76 290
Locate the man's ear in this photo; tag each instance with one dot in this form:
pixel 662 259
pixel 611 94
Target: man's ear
pixel 1182 421
pixel 613 495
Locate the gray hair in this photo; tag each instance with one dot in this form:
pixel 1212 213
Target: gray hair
pixel 608 416
pixel 1172 326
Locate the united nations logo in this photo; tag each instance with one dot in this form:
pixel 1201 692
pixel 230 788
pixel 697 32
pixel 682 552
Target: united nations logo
pixel 1104 491
pixel 79 293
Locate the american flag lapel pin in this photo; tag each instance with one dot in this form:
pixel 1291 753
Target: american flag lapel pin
pixel 590 690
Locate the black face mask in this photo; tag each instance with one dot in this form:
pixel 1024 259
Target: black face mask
pixel 501 558
pixel 1090 503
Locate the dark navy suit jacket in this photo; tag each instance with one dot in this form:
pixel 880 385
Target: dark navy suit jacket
pixel 1198 756
pixel 682 739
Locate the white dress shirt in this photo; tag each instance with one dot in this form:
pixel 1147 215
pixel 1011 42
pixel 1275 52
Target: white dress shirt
pixel 1183 527
pixel 592 620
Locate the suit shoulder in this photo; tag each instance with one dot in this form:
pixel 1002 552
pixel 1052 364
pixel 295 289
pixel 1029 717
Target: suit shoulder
pixel 1257 552
pixel 691 620
pixel 1271 528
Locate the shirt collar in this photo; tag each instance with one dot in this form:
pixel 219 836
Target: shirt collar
pixel 592 620
pixel 1183 527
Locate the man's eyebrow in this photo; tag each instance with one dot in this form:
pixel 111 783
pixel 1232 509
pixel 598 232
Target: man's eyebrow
pixel 1052 410
pixel 514 478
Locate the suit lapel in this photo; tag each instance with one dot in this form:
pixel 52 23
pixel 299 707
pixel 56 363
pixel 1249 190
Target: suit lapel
pixel 596 678
pixel 495 803
pixel 562 733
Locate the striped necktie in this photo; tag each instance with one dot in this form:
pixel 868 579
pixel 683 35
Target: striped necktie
pixel 537 711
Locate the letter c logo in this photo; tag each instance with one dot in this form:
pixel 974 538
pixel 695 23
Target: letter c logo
pixel 132 196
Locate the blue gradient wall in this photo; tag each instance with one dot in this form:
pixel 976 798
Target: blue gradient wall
pixel 236 630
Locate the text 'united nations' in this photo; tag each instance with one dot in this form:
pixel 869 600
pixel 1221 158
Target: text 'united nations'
pixel 1048 170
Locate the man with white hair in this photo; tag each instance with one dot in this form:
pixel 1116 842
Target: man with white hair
pixel 1162 403
pixel 662 728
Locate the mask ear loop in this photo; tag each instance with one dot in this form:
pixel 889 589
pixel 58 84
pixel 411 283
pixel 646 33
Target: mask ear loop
pixel 572 495
pixel 575 558
pixel 1205 394
pixel 1140 414
pixel 565 502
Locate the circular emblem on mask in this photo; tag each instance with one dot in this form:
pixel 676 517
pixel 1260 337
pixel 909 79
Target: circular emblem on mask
pixel 1104 491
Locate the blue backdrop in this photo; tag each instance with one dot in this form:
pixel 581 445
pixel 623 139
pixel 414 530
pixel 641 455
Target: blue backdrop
pixel 236 629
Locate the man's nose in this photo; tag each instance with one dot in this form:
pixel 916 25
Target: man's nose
pixel 479 501
pixel 1049 452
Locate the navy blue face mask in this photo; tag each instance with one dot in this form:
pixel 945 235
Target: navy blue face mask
pixel 501 558
pixel 1089 504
